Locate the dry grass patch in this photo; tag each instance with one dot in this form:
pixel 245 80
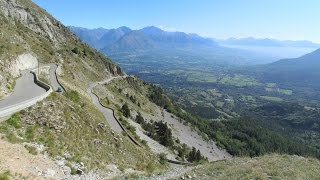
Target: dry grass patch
pixel 266 167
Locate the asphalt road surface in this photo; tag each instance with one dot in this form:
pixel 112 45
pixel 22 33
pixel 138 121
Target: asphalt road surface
pixel 53 79
pixel 108 113
pixel 24 90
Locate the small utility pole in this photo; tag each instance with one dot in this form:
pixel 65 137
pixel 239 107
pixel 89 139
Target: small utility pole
pixel 38 69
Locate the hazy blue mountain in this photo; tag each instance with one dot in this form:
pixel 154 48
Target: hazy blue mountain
pixel 100 37
pixel 135 41
pixel 108 38
pixel 276 49
pixel 112 36
pixel 151 40
pixel 178 38
pixel 89 36
pixel 250 41
pixel 303 71
pixel 155 39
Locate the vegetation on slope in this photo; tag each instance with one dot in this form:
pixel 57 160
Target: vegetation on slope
pixel 130 98
pixel 70 127
pixel 265 167
pixel 240 136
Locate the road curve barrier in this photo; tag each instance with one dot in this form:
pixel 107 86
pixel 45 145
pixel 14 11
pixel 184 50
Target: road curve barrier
pixel 56 74
pixel 120 124
pixel 9 110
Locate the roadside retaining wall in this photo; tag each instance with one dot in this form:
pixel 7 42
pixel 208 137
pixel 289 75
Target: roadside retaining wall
pixel 122 127
pixel 56 74
pixel 7 111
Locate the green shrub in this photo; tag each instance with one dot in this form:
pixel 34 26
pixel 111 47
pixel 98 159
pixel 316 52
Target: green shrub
pixel 13 138
pixel 5 175
pixel 73 96
pixel 30 131
pixel 162 158
pixel 31 149
pixel 76 50
pixel 15 121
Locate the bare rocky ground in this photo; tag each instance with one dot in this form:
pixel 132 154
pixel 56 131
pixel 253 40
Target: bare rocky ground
pixel 16 159
pixel 190 137
pixel 153 145
pixel 21 164
pixel 176 172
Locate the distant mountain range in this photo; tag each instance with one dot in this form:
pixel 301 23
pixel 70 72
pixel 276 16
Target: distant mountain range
pixel 123 41
pixel 250 41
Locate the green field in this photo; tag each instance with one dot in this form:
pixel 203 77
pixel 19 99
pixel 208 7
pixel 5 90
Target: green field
pixel 271 98
pixel 278 90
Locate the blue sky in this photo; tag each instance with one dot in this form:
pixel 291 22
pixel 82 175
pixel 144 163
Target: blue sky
pixel 280 19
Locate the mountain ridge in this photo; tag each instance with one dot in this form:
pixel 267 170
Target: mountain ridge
pixel 268 42
pixel 302 72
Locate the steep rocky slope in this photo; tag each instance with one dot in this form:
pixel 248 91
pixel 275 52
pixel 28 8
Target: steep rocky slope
pixel 28 29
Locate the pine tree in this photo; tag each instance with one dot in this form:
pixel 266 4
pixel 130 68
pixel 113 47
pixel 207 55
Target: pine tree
pixel 139 118
pixel 192 155
pixel 125 110
pixel 164 134
pixel 198 156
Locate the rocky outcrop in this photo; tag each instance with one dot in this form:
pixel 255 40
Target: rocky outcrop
pixel 49 115
pixel 11 69
pixel 23 62
pixel 15 11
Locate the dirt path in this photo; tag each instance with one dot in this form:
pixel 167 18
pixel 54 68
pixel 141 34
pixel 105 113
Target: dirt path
pixel 16 159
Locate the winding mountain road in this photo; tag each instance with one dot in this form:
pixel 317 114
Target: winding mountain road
pixel 24 90
pixel 54 79
pixel 27 92
pixel 108 113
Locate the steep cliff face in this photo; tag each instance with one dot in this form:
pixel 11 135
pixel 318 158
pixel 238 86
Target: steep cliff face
pixel 32 17
pixel 28 29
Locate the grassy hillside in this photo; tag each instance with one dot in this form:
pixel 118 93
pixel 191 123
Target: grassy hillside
pixel 70 127
pixel 266 167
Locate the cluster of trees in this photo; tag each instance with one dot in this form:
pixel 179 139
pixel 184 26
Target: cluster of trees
pixel 157 96
pixel 160 132
pixel 195 155
pixel 245 137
